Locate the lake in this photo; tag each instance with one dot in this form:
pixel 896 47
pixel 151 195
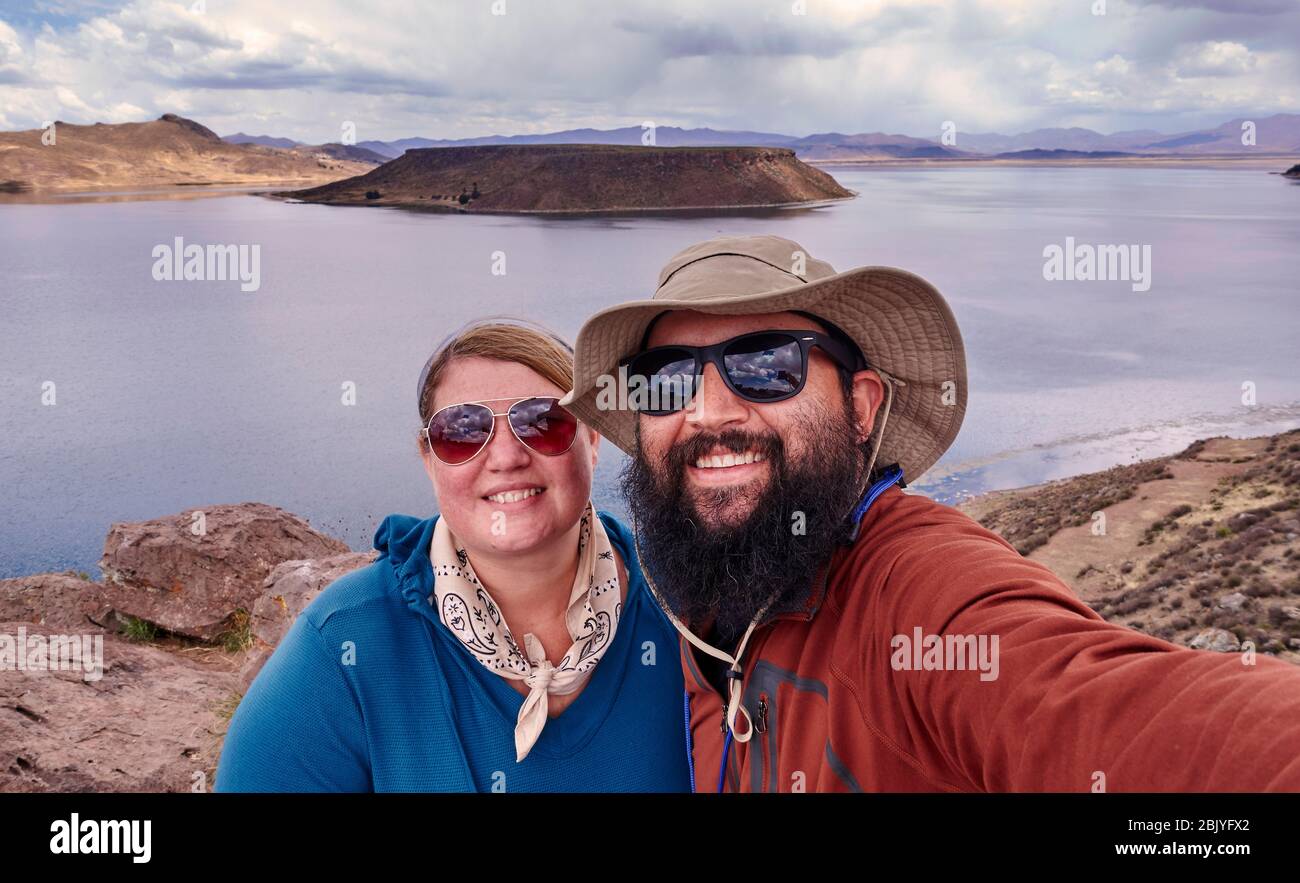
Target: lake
pixel 171 396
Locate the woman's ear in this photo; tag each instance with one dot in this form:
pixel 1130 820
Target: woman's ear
pixel 868 393
pixel 595 446
pixel 426 456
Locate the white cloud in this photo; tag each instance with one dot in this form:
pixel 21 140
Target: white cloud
pixel 299 68
pixel 69 100
pixel 1216 59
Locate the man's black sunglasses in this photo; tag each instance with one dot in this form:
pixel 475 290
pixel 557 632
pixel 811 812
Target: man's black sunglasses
pixel 761 366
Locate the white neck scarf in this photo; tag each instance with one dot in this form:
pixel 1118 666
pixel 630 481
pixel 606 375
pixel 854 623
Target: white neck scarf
pixel 466 608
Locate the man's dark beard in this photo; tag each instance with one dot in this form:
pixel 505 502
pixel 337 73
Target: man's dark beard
pixel 702 566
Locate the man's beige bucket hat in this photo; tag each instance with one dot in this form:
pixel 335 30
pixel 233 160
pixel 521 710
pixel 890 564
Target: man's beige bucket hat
pixel 900 322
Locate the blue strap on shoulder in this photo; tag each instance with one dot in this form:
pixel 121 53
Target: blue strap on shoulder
pixel 893 475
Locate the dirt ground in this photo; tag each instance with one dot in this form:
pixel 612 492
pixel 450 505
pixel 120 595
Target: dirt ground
pixel 1205 539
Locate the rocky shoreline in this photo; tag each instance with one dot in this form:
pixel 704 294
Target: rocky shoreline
pixel 1199 548
pixel 190 608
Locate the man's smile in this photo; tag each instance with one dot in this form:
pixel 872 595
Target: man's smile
pixel 722 467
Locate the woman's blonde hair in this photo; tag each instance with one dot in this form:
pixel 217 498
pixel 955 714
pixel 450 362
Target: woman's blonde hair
pixel 506 340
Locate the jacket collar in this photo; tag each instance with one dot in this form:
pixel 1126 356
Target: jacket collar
pixel 403 542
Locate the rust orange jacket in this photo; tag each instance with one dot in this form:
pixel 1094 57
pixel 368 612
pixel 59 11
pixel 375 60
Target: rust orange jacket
pixel 838 702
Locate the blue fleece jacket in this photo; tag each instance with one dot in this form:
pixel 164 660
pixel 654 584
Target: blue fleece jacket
pixel 369 691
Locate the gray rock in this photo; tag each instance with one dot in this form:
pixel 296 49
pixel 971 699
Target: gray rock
pixel 1217 640
pixel 163 572
pixel 286 592
pixel 1235 601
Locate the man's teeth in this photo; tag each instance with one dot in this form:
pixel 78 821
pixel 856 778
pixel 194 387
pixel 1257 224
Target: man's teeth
pixel 725 460
pixel 515 496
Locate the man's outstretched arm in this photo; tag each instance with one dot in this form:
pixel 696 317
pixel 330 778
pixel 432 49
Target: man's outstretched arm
pixel 1070 702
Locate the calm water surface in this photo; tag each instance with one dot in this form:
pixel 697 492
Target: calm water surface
pixel 177 395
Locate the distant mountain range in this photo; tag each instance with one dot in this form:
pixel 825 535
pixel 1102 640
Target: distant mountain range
pixel 353 152
pixel 824 147
pixel 1277 134
pixel 264 140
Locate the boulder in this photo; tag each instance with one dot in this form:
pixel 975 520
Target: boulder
pixel 56 600
pixel 1217 640
pixel 189 572
pixel 1235 601
pixel 153 721
pixel 286 592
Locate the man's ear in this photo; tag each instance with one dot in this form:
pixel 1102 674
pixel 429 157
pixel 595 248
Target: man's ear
pixel 595 446
pixel 868 395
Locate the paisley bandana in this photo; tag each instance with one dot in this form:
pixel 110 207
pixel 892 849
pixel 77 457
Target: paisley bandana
pixel 468 611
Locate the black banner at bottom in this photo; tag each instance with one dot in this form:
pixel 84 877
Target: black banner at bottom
pixel 139 831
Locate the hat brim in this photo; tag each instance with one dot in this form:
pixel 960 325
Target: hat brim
pixel 900 322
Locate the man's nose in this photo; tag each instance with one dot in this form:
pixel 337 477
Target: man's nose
pixel 714 404
pixel 505 451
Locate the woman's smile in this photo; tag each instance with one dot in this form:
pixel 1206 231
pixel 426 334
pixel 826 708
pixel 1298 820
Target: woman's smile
pixel 515 496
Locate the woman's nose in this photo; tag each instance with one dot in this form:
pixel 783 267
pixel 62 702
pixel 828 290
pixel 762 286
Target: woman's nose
pixel 505 451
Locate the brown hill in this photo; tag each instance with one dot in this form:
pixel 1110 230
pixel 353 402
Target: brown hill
pixel 584 178
pixel 1199 548
pixel 168 151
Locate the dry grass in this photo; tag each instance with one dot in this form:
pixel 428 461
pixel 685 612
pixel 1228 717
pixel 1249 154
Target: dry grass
pixel 1228 560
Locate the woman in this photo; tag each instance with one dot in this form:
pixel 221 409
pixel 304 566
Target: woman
pixel 509 644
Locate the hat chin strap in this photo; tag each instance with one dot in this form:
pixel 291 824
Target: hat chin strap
pixel 734 687
pixel 733 706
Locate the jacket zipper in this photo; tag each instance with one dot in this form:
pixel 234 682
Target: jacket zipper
pixel 690 745
pixel 891 478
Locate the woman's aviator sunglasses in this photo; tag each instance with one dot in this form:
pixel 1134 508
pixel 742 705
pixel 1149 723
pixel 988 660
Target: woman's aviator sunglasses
pixel 762 367
pixel 457 433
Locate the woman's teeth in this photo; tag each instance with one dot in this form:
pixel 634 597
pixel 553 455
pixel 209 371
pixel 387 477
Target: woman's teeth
pixel 725 460
pixel 514 496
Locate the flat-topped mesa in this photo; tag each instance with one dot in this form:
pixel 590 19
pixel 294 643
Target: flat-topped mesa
pixel 584 178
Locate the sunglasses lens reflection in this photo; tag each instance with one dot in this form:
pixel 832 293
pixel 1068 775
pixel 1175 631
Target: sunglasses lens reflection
pixel 667 377
pixel 544 426
pixel 458 433
pixel 765 366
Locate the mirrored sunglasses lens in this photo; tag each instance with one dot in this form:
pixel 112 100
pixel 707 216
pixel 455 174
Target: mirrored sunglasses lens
pixel 458 433
pixel 665 381
pixel 543 425
pixel 765 366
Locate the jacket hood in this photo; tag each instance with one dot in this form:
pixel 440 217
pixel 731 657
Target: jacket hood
pixel 403 542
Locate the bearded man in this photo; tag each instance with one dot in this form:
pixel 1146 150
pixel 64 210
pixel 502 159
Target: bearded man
pixel 839 634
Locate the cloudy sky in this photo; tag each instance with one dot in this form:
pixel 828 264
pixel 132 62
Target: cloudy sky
pixel 452 68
